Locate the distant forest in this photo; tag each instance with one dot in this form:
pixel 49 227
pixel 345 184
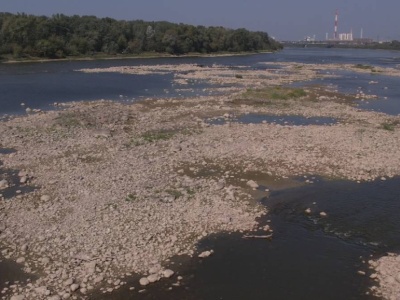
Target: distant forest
pixel 60 36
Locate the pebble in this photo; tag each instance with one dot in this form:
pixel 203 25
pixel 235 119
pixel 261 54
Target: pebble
pixel 323 214
pixel 153 278
pixel 20 260
pixel 205 254
pixel 308 211
pixel 144 281
pixel 45 198
pixel 168 273
pixel 74 287
pixel 252 184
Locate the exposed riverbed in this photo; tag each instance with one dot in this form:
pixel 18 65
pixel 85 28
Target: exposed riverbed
pixel 121 188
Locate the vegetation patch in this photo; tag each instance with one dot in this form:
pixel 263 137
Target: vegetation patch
pixel 265 96
pixel 389 126
pixel 174 193
pixel 131 197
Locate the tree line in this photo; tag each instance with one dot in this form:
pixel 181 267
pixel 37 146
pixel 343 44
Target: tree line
pixel 59 36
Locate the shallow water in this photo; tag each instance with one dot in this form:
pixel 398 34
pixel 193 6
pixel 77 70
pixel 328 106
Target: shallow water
pixel 309 257
pixel 38 85
pixel 289 120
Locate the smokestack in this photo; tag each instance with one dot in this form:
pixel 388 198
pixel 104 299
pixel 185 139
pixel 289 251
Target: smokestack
pixel 336 25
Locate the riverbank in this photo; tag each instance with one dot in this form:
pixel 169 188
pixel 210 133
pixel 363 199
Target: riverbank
pixel 121 188
pixel 127 56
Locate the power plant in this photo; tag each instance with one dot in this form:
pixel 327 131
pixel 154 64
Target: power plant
pixel 340 36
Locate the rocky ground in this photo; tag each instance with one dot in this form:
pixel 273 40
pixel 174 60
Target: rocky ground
pixel 123 188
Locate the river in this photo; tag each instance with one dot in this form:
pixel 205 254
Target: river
pixel 38 85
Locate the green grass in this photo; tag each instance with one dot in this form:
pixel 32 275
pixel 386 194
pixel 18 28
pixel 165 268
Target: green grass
pixel 364 67
pixel 131 197
pixel 155 136
pixel 389 126
pixel 275 93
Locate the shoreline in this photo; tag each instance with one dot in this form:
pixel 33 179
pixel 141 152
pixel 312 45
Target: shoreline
pixel 144 56
pixel 135 180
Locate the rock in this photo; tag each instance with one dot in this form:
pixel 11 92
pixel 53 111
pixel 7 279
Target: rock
pixel 69 282
pixel 102 133
pixel 83 290
pixel 3 184
pixel 167 273
pixel 45 198
pixel 373 276
pixel 20 260
pixel 153 278
pixel 98 279
pixel 205 254
pixel 17 297
pixel 66 296
pixel 252 184
pixel 45 260
pixel 308 211
pixel 42 290
pixel 55 297
pixel 24 179
pixel 28 110
pixel 144 281
pixel 24 247
pixel 323 214
pixel 74 287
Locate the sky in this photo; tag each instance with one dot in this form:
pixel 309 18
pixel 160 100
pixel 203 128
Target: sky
pixel 282 19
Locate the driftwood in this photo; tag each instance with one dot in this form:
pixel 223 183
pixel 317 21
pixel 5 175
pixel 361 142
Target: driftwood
pixel 269 236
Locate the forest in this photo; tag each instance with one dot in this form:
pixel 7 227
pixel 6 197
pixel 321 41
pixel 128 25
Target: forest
pixel 60 36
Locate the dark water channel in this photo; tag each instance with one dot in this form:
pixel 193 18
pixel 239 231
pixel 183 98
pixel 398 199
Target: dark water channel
pixel 309 257
pixel 291 120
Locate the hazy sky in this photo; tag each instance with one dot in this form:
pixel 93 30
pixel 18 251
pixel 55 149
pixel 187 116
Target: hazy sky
pixel 283 19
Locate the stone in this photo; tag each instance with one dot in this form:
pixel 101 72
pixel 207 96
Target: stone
pixel 66 296
pixel 42 290
pixel 308 211
pixel 144 281
pixel 205 254
pixel 153 278
pixel 24 179
pixel 74 287
pixel 17 297
pixel 252 184
pixel 68 282
pixel 98 279
pixel 20 260
pixel 55 297
pixel 45 198
pixel 24 247
pixel 323 214
pixel 167 273
pixel 3 184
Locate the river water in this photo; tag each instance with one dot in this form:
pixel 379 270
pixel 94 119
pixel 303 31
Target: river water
pixel 40 84
pixel 309 257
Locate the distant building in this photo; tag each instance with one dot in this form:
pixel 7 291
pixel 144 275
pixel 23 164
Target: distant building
pixel 346 36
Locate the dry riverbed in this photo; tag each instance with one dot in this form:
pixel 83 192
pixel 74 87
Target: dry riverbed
pixel 123 188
